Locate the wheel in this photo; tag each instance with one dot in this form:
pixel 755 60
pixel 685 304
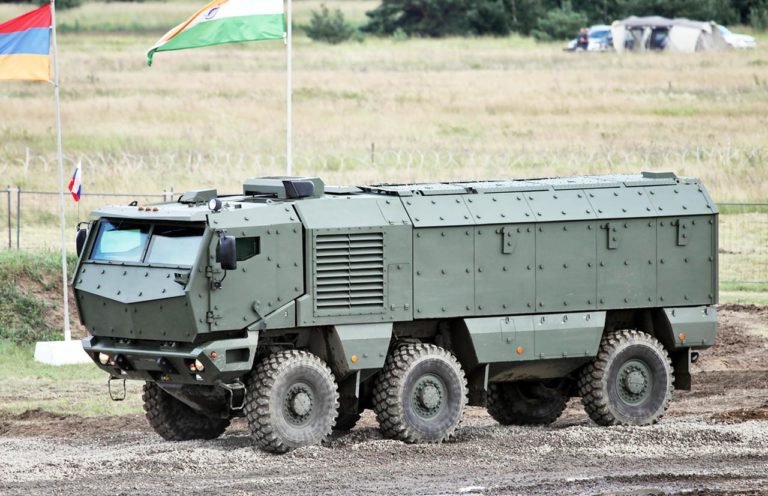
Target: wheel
pixel 526 403
pixel 292 401
pixel 346 422
pixel 630 381
pixel 176 421
pixel 420 394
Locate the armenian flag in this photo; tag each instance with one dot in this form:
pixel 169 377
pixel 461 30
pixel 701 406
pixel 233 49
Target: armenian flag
pixel 225 21
pixel 25 45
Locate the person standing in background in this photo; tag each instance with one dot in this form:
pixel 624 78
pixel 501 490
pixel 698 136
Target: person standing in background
pixel 583 40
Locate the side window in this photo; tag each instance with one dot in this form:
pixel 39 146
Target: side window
pixel 248 247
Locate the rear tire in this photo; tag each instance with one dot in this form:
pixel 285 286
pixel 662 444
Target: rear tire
pixel 420 395
pixel 517 403
pixel 292 401
pixel 176 421
pixel 630 382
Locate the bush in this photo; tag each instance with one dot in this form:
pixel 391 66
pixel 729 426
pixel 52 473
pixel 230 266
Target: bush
pixel 560 24
pixel 329 26
pixel 27 281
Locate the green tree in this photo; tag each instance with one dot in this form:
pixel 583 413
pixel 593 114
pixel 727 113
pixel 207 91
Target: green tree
pixel 758 16
pixel 547 19
pixel 703 10
pixel 436 18
pixel 489 17
pixel 560 24
pixel 599 11
pixel 329 26
pixel 62 4
pixel 419 17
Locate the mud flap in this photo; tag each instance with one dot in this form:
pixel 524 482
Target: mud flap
pixel 116 394
pixel 681 365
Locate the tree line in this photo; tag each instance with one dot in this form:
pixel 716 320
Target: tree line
pixel 545 19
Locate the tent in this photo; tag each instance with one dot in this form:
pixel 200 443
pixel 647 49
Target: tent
pixel 661 33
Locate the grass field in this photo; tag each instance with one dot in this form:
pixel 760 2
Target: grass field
pixel 70 389
pixel 380 110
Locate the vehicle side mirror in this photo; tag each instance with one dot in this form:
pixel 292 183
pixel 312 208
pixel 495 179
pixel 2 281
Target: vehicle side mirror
pixel 80 237
pixel 226 252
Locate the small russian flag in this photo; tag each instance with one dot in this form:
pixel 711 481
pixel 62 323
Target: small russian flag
pixel 76 184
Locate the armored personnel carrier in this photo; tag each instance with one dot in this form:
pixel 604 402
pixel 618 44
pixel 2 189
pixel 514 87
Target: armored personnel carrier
pixel 298 305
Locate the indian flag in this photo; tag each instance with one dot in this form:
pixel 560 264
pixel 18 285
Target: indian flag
pixel 225 21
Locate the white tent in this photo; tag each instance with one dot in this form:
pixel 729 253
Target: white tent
pixel 660 33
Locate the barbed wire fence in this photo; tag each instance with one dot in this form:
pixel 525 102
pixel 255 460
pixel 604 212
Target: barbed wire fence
pixel 31 223
pixel 405 162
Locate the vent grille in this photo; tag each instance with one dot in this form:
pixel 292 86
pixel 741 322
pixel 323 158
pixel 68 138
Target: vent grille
pixel 349 273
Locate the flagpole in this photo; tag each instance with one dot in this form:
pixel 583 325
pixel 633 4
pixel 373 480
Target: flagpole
pixel 289 93
pixel 67 330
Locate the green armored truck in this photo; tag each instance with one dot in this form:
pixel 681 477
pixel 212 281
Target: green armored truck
pixel 298 305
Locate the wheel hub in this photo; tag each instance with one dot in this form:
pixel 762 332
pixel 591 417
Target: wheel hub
pixel 298 404
pixel 428 394
pixel 634 382
pixel 301 403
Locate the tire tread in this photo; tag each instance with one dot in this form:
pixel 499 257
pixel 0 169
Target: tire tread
pixel 593 376
pixel 175 421
pixel 386 391
pixel 257 409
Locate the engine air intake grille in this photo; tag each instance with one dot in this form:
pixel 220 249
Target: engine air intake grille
pixel 349 274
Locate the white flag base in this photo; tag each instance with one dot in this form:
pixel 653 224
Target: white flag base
pixel 61 352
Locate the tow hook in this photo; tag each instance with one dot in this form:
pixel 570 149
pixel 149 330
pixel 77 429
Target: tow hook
pixel 236 392
pixel 116 394
pixel 694 356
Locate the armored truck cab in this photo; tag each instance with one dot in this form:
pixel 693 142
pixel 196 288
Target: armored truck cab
pixel 299 305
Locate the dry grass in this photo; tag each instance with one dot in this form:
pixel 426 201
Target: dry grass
pixel 430 109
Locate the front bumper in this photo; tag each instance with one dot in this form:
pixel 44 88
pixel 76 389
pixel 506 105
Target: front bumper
pixel 224 360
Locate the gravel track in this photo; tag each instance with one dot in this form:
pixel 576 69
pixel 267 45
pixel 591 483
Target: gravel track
pixel 713 440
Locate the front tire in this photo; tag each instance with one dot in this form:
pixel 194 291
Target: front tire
pixel 292 401
pixel 420 394
pixel 517 403
pixel 176 421
pixel 630 382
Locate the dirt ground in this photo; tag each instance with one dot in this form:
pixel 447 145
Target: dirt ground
pixel 713 441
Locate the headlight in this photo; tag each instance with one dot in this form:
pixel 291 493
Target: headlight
pixel 199 366
pixel 103 358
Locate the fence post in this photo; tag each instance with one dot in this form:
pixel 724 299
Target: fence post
pixel 18 216
pixel 10 227
pixel 10 224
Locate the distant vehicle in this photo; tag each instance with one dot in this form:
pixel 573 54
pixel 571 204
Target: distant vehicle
pixel 599 39
pixel 736 40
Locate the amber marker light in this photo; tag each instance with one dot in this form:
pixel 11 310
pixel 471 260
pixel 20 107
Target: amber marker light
pixel 214 355
pixel 519 350
pixel 354 358
pixel 681 336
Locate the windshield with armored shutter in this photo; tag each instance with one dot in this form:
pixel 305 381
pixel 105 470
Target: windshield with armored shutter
pixel 154 244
